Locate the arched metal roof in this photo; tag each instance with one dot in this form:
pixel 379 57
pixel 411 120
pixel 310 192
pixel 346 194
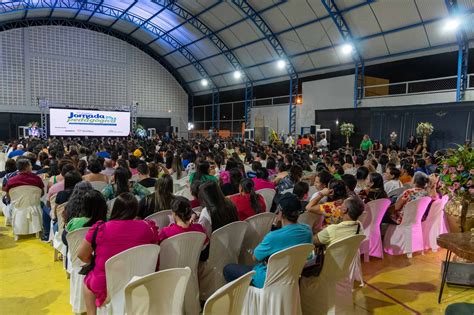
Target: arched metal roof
pixel 212 39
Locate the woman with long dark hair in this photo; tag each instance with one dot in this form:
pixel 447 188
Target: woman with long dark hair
pixel 121 184
pixel 202 173
pixel 232 187
pixel 159 200
pixel 375 188
pixel 218 210
pixel 76 201
pixel 336 193
pixel 248 202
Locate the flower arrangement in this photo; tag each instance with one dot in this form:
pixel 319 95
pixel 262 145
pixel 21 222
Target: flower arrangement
pixel 457 172
pixel 424 129
pixel 140 131
pixel 32 123
pixel 347 129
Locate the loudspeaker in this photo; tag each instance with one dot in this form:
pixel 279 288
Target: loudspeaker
pixel 312 129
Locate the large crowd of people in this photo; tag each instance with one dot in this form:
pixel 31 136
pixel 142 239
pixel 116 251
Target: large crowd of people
pixel 223 176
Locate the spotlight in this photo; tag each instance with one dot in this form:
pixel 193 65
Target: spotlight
pixel 204 82
pixel 337 121
pixel 281 64
pixel 347 49
pixel 237 74
pixel 299 100
pixel 190 126
pixel 451 24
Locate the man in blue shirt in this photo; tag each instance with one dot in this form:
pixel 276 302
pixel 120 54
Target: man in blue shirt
pixel 290 234
pixel 103 152
pixel 18 152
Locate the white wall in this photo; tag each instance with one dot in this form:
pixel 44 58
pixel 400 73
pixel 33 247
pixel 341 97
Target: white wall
pixel 80 67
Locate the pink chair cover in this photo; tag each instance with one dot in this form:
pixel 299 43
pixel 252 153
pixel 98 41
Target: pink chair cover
pixel 407 237
pixel 375 210
pixel 434 225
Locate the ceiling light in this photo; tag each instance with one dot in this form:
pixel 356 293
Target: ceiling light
pixel 237 74
pixel 451 24
pixel 281 64
pixel 190 126
pixel 204 82
pixel 347 49
pixel 299 100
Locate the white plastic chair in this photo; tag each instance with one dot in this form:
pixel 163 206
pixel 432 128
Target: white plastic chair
pixel 180 251
pixel 267 194
pixel 225 245
pixel 98 185
pixel 230 298
pixel 434 225
pixel 76 281
pixel 259 225
pixel 280 293
pixel 121 268
pixel 161 218
pixel 26 210
pixel 58 244
pixel 311 219
pixel 159 293
pixel 331 291
pixel 373 215
pixel 407 237
pixel 184 192
pixel 398 191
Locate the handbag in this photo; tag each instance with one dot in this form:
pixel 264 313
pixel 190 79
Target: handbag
pixel 89 267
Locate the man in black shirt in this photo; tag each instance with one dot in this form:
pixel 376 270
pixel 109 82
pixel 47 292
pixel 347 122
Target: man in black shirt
pixel 144 176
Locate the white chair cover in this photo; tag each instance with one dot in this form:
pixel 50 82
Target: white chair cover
pixel 121 268
pixel 181 251
pixel 110 205
pixel 185 192
pixel 159 293
pixel 161 218
pixel 230 298
pixel 280 293
pixel 398 191
pixel 26 210
pixel 57 239
pixel 434 225
pixel 225 244
pixel 97 185
pixel 407 237
pixel 331 291
pixel 259 225
pixel 267 194
pixel 375 210
pixel 76 281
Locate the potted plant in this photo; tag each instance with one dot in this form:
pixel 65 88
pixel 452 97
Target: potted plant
pixel 346 129
pixel 424 129
pixel 457 173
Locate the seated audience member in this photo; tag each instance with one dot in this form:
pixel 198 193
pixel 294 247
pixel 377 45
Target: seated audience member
pixel 420 166
pixel 224 176
pixel 177 169
pixel 24 177
pixel 301 190
pixel 290 234
pixel 248 202
pixel 120 184
pixel 289 181
pixel 182 214
pixel 351 209
pixel 202 173
pixel 159 200
pixel 10 167
pixel 75 203
pixel 423 187
pixel 351 183
pixel 120 233
pixel 17 152
pixel 255 166
pixel 336 193
pixel 102 152
pixel 33 159
pixel 59 186
pixel 195 192
pixel 95 175
pixel 261 180
pixel 406 173
pixel 374 189
pixel 218 210
pixel 393 180
pixel 144 178
pixel 70 180
pixel 93 209
pixel 430 163
pixel 271 167
pixel 57 174
pixel 232 187
pixel 361 176
pixel 321 181
pixel 108 168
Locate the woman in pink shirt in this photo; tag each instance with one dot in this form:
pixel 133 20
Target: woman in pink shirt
pixel 182 215
pixel 118 234
pixel 261 181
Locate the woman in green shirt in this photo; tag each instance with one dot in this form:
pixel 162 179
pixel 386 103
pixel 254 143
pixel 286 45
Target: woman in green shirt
pixel 202 173
pixel 122 184
pixel 366 144
pixel 94 208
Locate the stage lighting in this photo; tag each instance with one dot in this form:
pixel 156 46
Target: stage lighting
pixel 204 82
pixel 299 100
pixel 451 24
pixel 347 49
pixel 281 64
pixel 237 74
pixel 337 121
pixel 190 126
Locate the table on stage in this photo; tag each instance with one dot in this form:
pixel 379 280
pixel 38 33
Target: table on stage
pixel 459 244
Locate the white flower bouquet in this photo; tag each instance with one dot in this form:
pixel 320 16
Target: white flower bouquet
pixel 346 129
pixel 424 129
